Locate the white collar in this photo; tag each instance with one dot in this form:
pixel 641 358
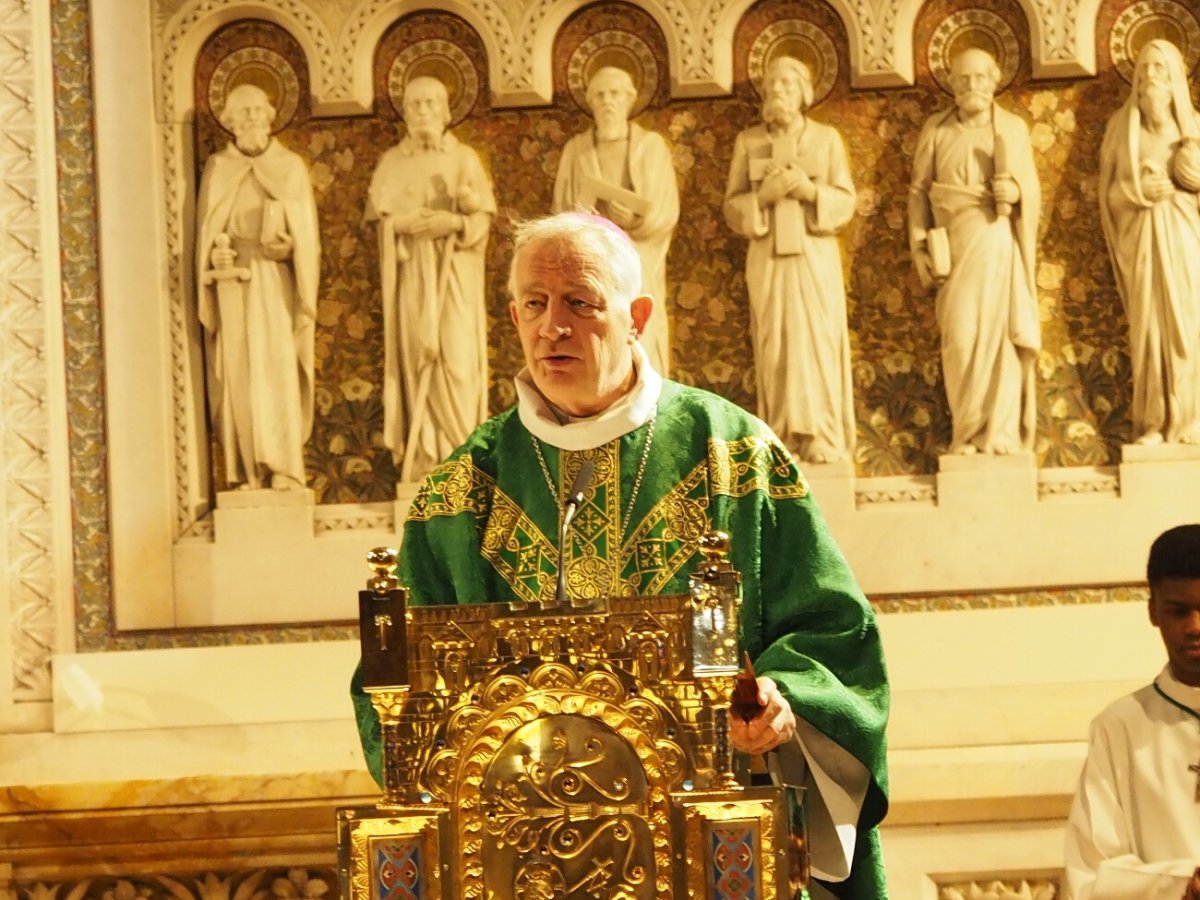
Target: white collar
pixel 629 413
pixel 1181 693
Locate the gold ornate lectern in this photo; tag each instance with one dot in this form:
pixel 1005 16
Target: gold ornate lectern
pixel 575 750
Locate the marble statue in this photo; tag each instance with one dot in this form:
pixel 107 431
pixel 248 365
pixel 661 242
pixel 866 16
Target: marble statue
pixel 790 192
pixel 434 205
pixel 258 259
pixel 623 172
pixel 1149 179
pixel 972 219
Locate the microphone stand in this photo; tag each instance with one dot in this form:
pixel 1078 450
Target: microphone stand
pixel 570 506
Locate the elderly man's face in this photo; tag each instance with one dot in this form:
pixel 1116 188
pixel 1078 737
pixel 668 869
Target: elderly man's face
pixel 1154 79
pixel 973 79
pixel 783 94
pixel 610 98
pixel 578 341
pixel 248 114
pixel 425 110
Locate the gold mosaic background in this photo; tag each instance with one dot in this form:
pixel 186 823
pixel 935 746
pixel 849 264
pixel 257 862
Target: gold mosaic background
pixel 903 424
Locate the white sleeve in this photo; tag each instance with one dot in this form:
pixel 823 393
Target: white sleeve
pixel 836 784
pixel 1100 857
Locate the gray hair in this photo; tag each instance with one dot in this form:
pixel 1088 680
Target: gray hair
pixel 604 252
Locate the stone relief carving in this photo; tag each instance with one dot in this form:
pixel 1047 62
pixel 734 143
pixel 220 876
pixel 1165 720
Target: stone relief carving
pixel 624 172
pixel 35 467
pixel 434 204
pixel 790 192
pixel 973 214
pixel 362 29
pixel 1057 19
pixel 1035 889
pixel 258 260
pixel 880 38
pixel 1149 183
pixel 875 22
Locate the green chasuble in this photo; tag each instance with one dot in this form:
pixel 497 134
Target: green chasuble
pixel 484 526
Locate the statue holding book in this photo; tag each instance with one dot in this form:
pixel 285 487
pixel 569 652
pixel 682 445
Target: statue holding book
pixel 973 213
pixel 623 172
pixel 790 192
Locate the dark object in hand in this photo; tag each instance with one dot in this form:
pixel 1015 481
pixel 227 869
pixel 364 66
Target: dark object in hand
pixel 743 702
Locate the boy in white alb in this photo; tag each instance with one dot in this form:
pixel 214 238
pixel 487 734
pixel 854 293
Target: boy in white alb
pixel 1134 827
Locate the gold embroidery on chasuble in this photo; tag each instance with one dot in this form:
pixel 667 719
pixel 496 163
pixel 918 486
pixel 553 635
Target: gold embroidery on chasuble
pixel 665 539
pixel 454 487
pixel 518 550
pixel 749 464
pixel 600 560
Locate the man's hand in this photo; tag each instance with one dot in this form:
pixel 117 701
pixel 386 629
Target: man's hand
pixel 223 255
pixel 279 249
pixel 775 723
pixel 1192 892
pixel 436 223
pixel 1006 190
pixel 924 264
pixel 805 189
pixel 622 216
pixel 1157 185
pixel 777 184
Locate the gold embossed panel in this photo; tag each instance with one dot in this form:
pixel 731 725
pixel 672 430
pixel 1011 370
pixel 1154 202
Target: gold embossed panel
pixel 568 803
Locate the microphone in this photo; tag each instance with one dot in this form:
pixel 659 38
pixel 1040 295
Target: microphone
pixel 570 505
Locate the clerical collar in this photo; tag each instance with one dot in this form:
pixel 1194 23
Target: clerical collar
pixel 1174 689
pixel 628 414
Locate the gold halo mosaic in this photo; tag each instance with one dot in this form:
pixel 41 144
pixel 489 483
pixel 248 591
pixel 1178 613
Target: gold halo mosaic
pixel 800 40
pixel 264 69
pixel 613 47
pixel 1147 20
pixel 976 29
pixel 443 60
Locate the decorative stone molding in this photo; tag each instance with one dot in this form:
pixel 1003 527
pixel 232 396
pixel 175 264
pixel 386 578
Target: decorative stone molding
pixel 1077 480
pixel 1033 889
pixel 896 489
pixel 1063 37
pixel 296 883
pixel 350 90
pixel 34 498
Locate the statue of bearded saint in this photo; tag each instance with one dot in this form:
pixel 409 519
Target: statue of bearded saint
pixel 258 256
pixel 973 209
pixel 624 172
pixel 434 205
pixel 790 192
pixel 1149 183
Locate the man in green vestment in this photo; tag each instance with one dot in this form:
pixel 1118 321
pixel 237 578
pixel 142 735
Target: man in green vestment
pixel 671 462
